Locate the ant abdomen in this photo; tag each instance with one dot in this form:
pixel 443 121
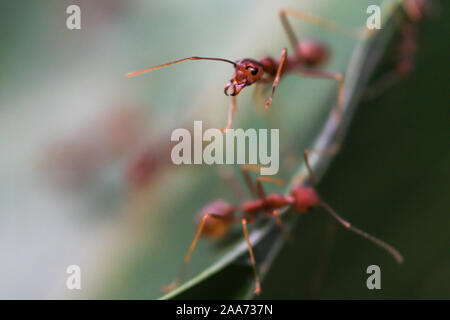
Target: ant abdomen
pixel 312 53
pixel 221 218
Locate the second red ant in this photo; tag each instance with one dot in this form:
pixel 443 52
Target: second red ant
pixel 216 218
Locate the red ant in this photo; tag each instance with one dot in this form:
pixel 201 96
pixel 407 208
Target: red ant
pixel 302 198
pixel 415 11
pixel 146 163
pixel 308 54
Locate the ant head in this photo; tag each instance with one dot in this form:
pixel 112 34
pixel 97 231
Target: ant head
pixel 247 72
pixel 216 228
pixel 305 197
pixel 312 53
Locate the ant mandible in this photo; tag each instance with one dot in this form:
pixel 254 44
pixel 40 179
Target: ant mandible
pixel 216 218
pixel 307 55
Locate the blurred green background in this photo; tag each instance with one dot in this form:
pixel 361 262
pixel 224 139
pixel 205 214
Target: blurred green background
pixel 72 126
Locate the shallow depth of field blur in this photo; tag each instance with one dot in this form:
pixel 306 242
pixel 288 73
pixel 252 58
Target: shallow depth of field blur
pixel 85 171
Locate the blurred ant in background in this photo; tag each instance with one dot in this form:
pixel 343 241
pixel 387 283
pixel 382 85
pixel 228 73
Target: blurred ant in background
pixel 416 11
pixel 113 134
pixel 144 164
pixel 116 136
pixel 408 19
pixel 216 218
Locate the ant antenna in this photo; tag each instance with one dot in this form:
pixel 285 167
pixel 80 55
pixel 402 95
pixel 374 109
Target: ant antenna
pixel 394 252
pixel 132 74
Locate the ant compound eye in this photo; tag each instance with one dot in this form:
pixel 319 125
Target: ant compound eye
pixel 254 71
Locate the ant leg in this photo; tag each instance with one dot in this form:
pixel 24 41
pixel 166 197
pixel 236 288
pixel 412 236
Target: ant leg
pixel 259 190
pixel 329 151
pixel 277 77
pixel 256 168
pixel 259 187
pixel 248 181
pixel 277 181
pixel 288 29
pixel 277 218
pixel 339 108
pixel 300 178
pixel 252 257
pixel 230 113
pixel 358 33
pixel 252 167
pixel 286 233
pixel 259 96
pixel 187 258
